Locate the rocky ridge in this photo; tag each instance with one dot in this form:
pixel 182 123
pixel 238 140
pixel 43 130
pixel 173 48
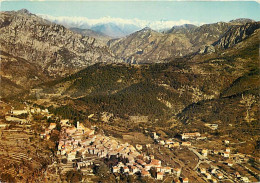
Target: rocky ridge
pixel 56 49
pixel 149 46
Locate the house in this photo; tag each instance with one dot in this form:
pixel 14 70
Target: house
pixel 159 176
pixel 214 181
pixel 71 130
pixel 125 169
pixel 186 144
pixel 148 145
pixel 141 162
pixel 213 171
pixel 52 126
pixel 238 175
pixel 169 141
pixel 155 162
pixel 220 175
pixel 176 144
pixel 215 151
pixel 19 112
pixel 147 167
pixel 134 169
pixel 155 136
pixel 226 154
pixel 203 170
pixel 230 163
pixel 139 147
pixel 158 169
pixel 47 137
pixel 226 141
pixel 115 169
pixel 190 135
pixel 228 150
pixel 185 180
pixel 64 122
pixel 168 170
pixel 208 175
pixel 177 171
pixel 72 155
pixel 204 152
pixel 14 119
pixel 162 142
pixel 145 173
pixel 245 179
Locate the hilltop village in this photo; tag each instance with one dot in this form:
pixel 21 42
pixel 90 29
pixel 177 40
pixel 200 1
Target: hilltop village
pixel 85 149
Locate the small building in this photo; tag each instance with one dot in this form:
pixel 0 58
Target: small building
pixel 159 176
pixel 115 169
pixel 226 141
pixel 190 135
pixel 186 144
pixel 204 152
pixel 52 126
pixel 19 112
pixel 208 175
pixel 125 169
pixel 145 173
pixel 148 145
pixel 139 147
pixel 220 175
pixel 156 162
pixel 214 181
pixel 230 163
pixel 177 171
pixel 168 170
pixel 162 142
pixel 226 154
pixel 185 180
pixel 203 170
pixel 228 150
pixel 213 171
pixel 238 175
pixel 245 179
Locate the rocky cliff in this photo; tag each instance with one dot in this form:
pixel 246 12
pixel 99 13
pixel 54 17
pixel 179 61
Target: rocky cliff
pixel 236 34
pixel 148 46
pixel 56 49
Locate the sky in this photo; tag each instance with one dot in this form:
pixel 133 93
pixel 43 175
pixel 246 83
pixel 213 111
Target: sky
pixel 175 12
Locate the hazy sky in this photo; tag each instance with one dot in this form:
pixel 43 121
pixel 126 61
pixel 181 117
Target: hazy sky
pixel 194 11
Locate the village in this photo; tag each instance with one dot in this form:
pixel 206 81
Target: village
pixel 84 148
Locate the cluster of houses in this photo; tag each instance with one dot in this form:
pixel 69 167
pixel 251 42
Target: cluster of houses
pixel 169 143
pixel 195 135
pixel 80 142
pixel 14 115
pixel 209 174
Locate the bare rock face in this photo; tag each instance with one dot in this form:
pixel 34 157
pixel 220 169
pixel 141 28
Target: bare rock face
pixel 149 46
pixel 56 49
pixel 236 34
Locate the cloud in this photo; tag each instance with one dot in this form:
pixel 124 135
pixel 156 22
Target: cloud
pixel 83 22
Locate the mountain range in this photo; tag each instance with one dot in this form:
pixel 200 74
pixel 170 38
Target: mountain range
pixel 50 49
pixel 180 78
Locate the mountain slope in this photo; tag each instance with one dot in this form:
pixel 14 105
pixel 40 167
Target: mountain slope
pixel 102 38
pixel 19 75
pixel 148 46
pixel 56 49
pixel 136 89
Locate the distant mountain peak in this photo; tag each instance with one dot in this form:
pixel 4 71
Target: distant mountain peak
pixel 242 20
pixel 24 11
pixel 146 28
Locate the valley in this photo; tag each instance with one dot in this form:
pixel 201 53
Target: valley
pixel 180 105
